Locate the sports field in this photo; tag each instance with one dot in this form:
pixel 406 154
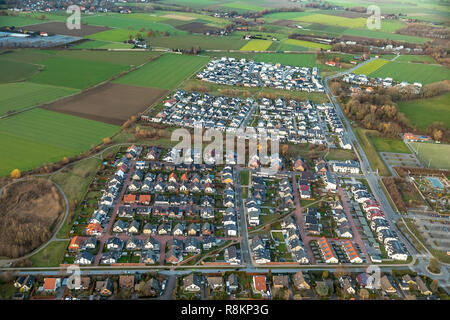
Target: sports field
pixel 423 112
pixel 165 72
pixel 435 155
pixel 257 45
pixel 22 95
pixel 75 73
pixel 38 136
pixel 388 145
pixel 412 72
pixel 371 66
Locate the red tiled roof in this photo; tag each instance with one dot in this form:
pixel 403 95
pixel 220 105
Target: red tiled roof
pixel 260 283
pixel 129 198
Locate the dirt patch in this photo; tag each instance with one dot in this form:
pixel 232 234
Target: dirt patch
pixel 196 27
pixel 112 103
pixel 61 28
pixel 29 213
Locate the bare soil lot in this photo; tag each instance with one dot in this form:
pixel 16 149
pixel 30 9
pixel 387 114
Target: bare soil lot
pixel 61 28
pixel 29 212
pixel 196 27
pixel 112 103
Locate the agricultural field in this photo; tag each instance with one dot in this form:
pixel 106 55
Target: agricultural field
pixel 58 27
pixel 114 35
pixel 257 45
pixel 435 155
pixel 75 73
pixel 243 6
pixel 371 66
pixel 39 136
pixel 412 72
pixel 98 44
pixel 105 103
pixel 307 44
pixel 130 23
pixel 166 72
pixel 366 33
pixel 15 71
pixel 204 42
pixel 302 60
pixel 416 59
pixel 12 97
pixel 333 20
pixel 423 112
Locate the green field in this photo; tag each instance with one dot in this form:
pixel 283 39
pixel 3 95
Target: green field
pixel 423 112
pixel 15 71
pixel 383 35
pixel 114 35
pixel 18 21
pixel 75 73
pixel 192 40
pixel 22 95
pixel 412 72
pixel 415 58
pixel 307 44
pixel 333 20
pixel 302 60
pixel 39 136
pixel 124 58
pixel 371 66
pixel 130 23
pixel 243 6
pixel 388 145
pixel 437 155
pixel 257 45
pixel 166 72
pixel 99 44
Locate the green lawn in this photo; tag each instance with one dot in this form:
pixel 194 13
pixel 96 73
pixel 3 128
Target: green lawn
pixel 303 60
pixel 51 256
pixel 437 155
pixel 75 73
pixel 423 112
pixel 165 72
pixel 124 58
pixel 369 149
pixel 18 21
pixel 389 145
pixel 13 97
pixel 38 136
pixel 244 177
